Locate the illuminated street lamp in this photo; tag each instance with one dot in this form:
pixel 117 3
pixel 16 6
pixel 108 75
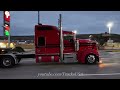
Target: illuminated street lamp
pixel 110 25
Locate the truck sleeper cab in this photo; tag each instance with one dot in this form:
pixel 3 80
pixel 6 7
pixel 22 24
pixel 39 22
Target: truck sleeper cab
pixel 47 46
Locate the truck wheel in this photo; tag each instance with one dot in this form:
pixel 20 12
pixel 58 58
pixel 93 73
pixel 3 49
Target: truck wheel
pixel 7 61
pixel 91 59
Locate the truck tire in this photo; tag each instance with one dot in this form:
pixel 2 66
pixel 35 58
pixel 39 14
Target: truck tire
pixel 7 61
pixel 91 59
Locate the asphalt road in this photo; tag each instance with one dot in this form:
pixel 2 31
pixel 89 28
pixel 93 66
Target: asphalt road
pixel 28 69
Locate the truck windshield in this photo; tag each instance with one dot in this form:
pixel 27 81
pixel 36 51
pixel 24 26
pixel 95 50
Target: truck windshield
pixel 68 37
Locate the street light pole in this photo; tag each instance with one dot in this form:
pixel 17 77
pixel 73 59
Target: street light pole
pixel 3 23
pixel 38 18
pixel 109 33
pixel 9 41
pixel 109 30
pixel 6 25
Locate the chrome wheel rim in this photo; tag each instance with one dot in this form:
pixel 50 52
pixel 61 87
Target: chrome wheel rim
pixel 91 58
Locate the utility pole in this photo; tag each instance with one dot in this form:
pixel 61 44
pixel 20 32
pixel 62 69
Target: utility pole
pixel 61 38
pixel 3 23
pixel 59 24
pixel 9 41
pixel 38 18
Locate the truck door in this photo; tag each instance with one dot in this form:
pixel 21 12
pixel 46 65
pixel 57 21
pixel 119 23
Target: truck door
pixel 68 44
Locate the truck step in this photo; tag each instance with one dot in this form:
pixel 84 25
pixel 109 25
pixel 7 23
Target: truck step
pixel 70 58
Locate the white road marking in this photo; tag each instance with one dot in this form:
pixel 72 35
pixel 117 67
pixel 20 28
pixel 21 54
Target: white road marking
pixel 78 75
pixel 104 74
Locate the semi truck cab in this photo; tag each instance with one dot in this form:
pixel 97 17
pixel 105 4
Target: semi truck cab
pixel 47 46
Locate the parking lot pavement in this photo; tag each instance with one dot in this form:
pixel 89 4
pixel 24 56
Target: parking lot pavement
pixel 109 68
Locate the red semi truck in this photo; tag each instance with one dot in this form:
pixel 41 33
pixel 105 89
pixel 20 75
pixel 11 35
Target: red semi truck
pixel 47 46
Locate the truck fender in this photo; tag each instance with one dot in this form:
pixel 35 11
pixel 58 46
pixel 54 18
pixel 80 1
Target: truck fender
pixel 82 55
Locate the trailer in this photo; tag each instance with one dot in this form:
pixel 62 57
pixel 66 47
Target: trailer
pixel 10 58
